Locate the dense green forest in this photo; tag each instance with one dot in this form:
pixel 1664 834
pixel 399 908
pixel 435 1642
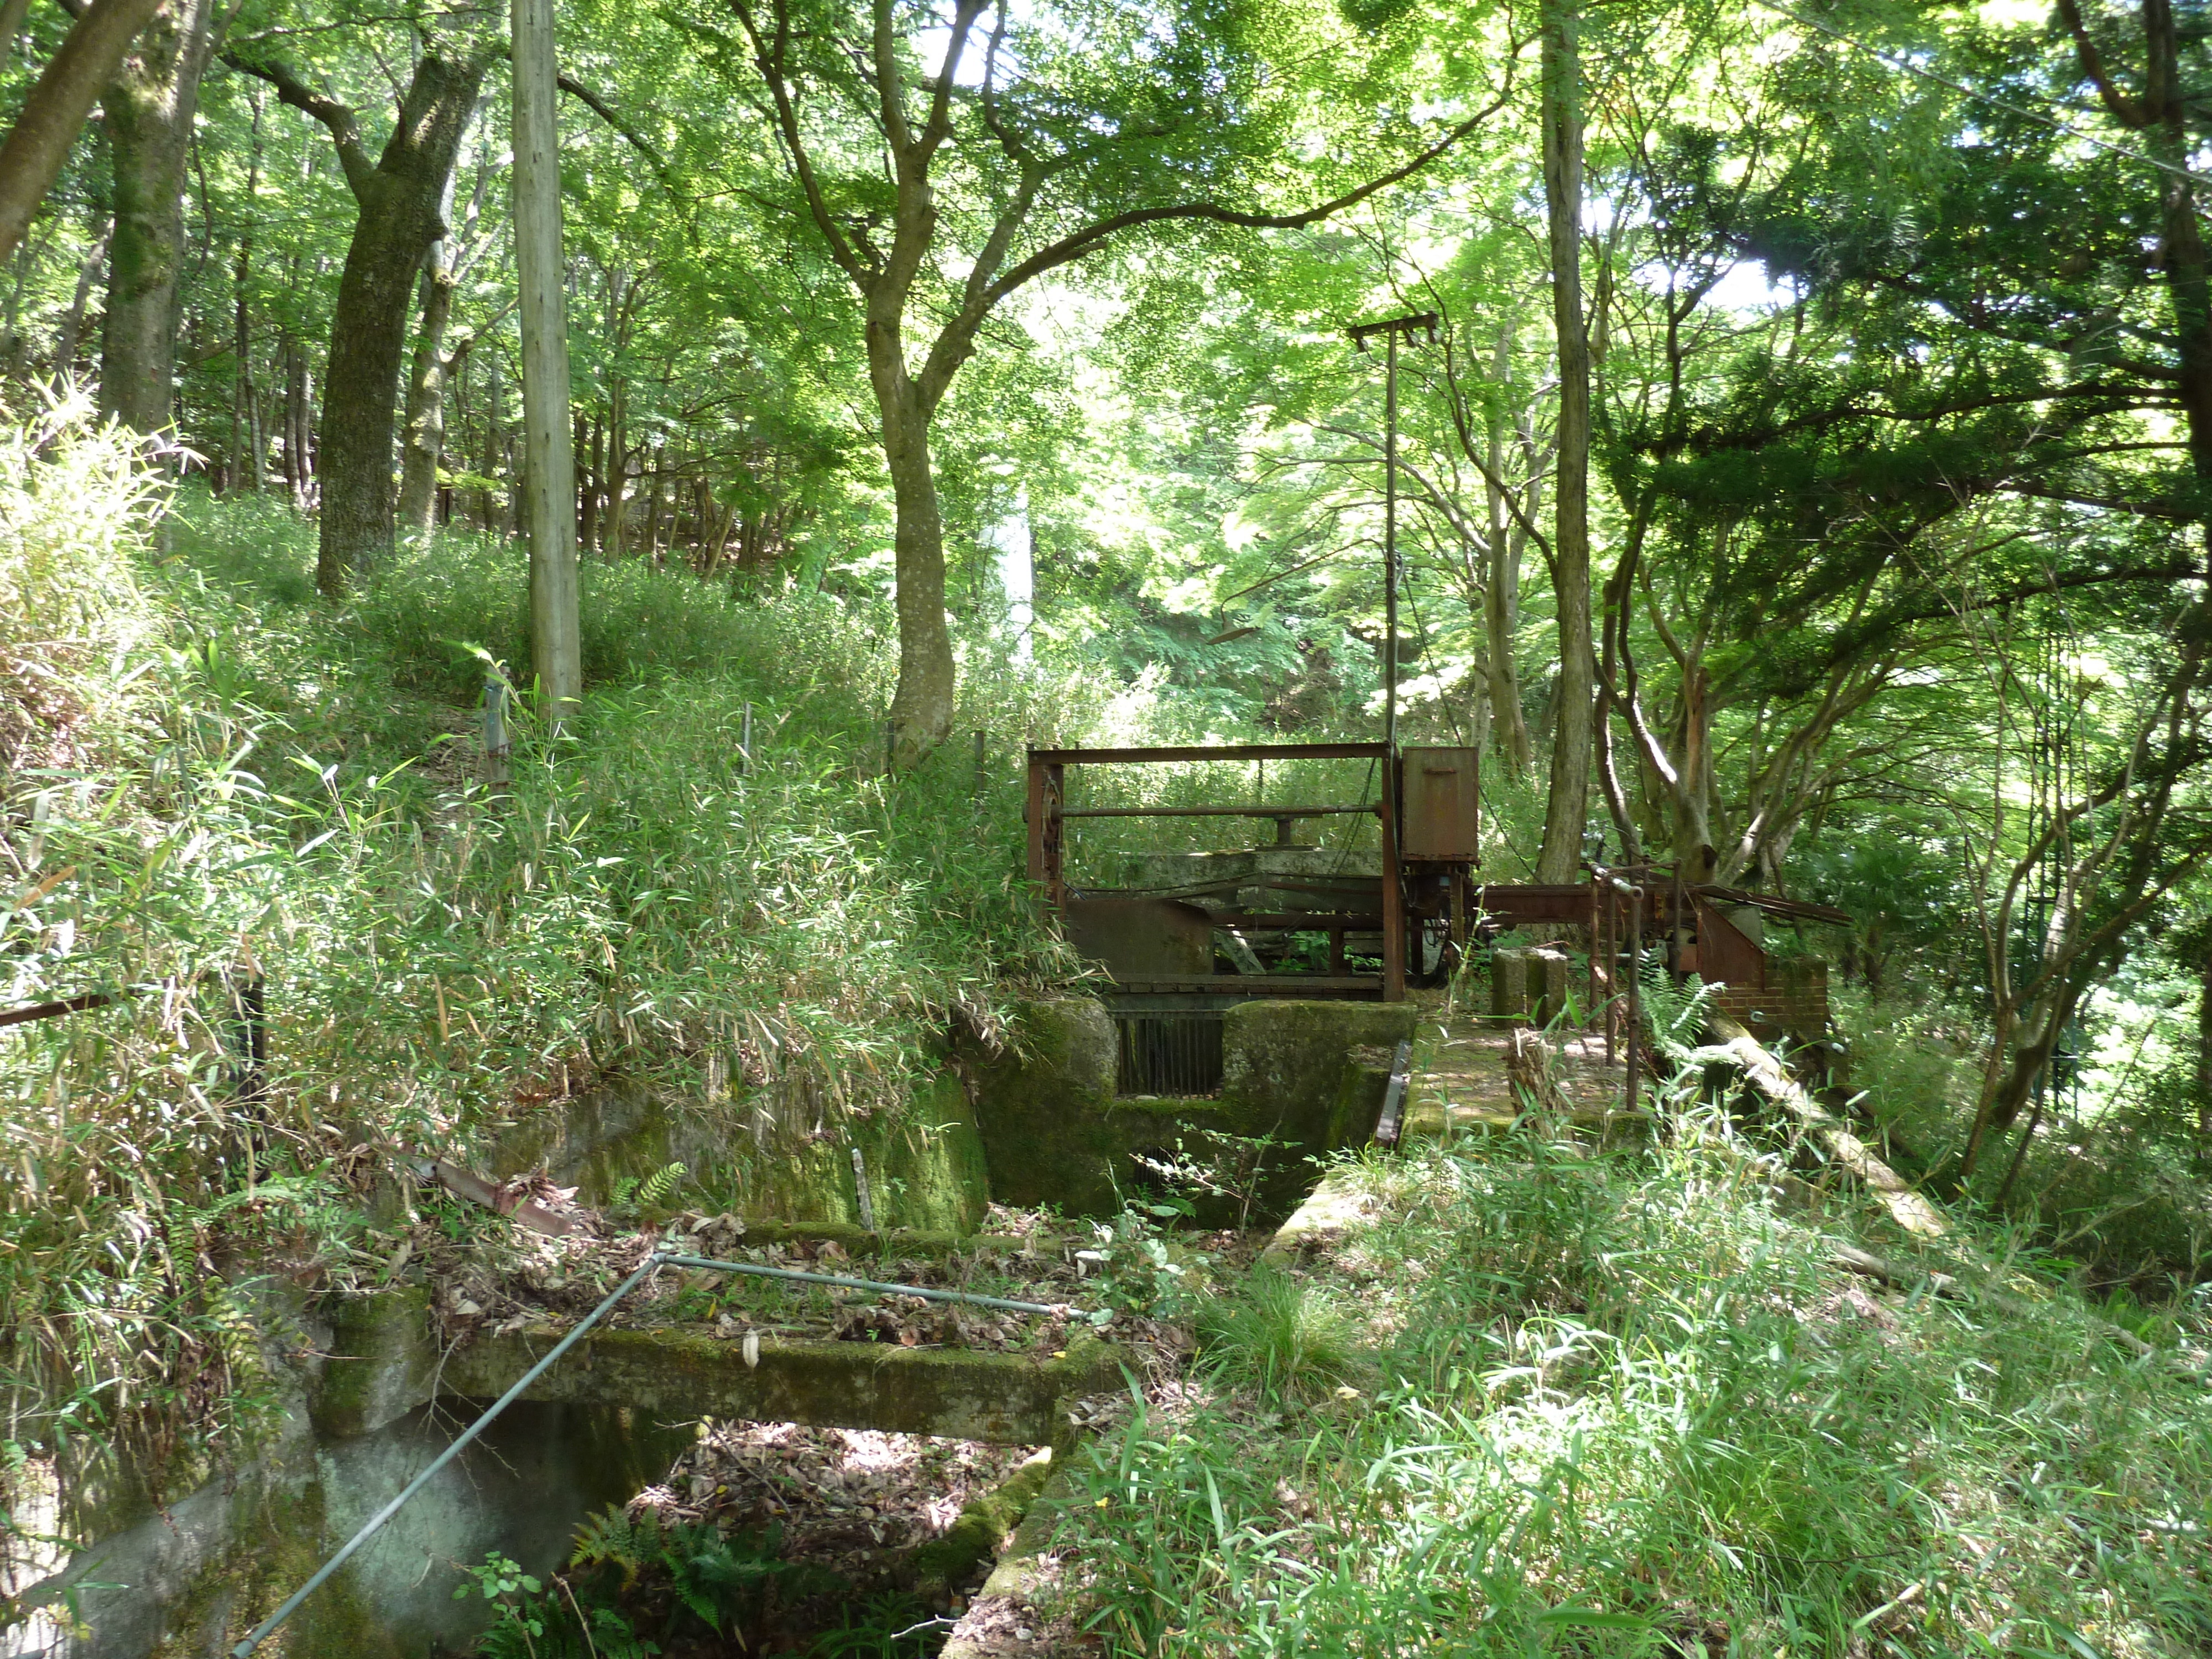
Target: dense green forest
pixel 1801 476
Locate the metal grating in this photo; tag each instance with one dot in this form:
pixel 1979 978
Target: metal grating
pixel 1176 1053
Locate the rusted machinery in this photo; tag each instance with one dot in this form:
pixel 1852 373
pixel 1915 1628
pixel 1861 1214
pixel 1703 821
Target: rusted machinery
pixel 1182 934
pixel 1159 934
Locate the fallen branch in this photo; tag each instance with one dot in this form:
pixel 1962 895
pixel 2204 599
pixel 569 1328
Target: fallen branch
pixel 1910 1210
pixel 1906 1207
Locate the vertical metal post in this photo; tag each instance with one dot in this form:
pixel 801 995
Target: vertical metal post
pixel 1033 818
pixel 1607 945
pixel 745 742
pixel 1597 885
pixel 1390 541
pixel 499 748
pixel 1393 888
pixel 1048 789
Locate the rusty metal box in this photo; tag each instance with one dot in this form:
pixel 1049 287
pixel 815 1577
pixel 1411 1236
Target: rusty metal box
pixel 1440 795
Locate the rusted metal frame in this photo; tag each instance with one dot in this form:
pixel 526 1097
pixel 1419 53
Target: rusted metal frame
pixel 1207 811
pixel 1048 788
pixel 1239 751
pixel 1298 922
pixel 1393 888
pixel 1590 1000
pixel 1393 1095
pixel 1795 908
pixel 1601 945
pixel 1247 984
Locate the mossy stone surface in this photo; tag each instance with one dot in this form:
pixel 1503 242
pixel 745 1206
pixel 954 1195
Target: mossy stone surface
pixel 925 1168
pixel 982 1526
pixel 682 1375
pixel 925 1161
pixel 1045 1107
pixel 1310 1074
pixel 381 1363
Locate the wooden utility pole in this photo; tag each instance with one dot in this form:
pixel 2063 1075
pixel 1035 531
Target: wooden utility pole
pixel 1568 804
pixel 548 465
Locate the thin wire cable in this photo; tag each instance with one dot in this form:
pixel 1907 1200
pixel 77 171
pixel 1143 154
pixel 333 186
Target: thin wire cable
pixel 1907 67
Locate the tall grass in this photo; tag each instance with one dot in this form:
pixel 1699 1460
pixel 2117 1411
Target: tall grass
pixel 1632 1409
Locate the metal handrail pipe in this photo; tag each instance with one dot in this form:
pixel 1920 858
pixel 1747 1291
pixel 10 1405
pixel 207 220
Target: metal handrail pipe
pixel 1207 811
pixel 262 1632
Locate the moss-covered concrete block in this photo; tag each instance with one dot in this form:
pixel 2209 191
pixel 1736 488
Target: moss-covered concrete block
pixel 925 1163
pixel 1312 1076
pixel 682 1375
pixel 1044 1106
pixel 981 1527
pixel 1309 1074
pixel 382 1362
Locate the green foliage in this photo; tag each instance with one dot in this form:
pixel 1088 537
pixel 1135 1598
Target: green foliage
pixel 1135 1267
pixel 633 1571
pixel 634 1196
pixel 1626 1404
pixel 1281 1336
pixel 1674 1013
pixel 888 1626
pixel 1215 1164
pixel 270 789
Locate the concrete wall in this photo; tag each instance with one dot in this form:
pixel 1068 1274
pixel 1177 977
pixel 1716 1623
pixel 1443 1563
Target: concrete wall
pixel 187 1579
pixel 376 1400
pixel 1312 1074
pixel 925 1163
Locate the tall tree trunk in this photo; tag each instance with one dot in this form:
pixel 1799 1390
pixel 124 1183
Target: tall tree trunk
pixel 614 532
pixel 425 446
pixel 38 145
pixel 1501 592
pixel 12 14
pixel 399 221
pixel 72 330
pixel 151 106
pixel 1566 807
pixel 299 423
pixel 591 461
pixel 549 470
pixel 921 707
pixel 245 450
pixel 401 196
pixel 493 440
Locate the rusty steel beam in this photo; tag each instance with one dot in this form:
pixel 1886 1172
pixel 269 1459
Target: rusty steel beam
pixel 1208 812
pixel 1298 921
pixel 77 1004
pixel 1271 984
pixel 1235 751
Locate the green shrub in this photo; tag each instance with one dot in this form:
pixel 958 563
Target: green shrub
pixel 1282 1337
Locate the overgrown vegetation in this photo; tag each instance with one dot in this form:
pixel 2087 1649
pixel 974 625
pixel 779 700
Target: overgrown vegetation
pixel 1628 1405
pixel 221 789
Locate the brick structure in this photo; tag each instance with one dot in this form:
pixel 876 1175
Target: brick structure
pixel 1791 1000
